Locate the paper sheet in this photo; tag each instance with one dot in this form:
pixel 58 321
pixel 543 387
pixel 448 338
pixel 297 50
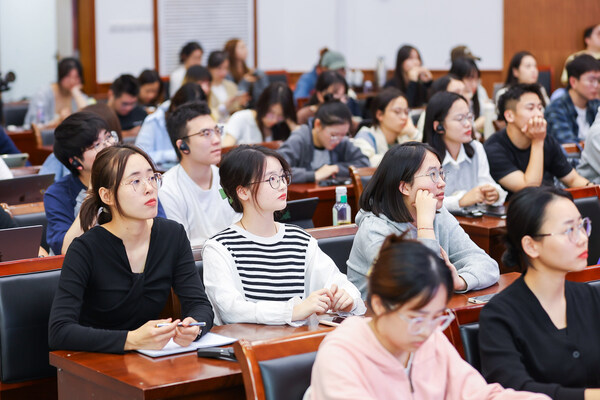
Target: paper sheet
pixel 208 340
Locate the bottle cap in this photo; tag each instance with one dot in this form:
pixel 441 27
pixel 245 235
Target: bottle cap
pixel 341 190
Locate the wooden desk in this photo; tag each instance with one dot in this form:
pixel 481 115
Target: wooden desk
pixel 26 208
pixel 326 194
pixel 488 233
pixel 25 171
pixel 26 142
pixel 83 375
pixel 460 301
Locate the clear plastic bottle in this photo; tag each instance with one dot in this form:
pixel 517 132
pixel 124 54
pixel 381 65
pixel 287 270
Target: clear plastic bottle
pixel 39 114
pixel 341 209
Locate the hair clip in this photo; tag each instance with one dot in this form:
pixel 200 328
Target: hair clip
pixel 224 196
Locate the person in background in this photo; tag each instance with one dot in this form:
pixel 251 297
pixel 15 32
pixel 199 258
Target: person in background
pixel 449 130
pixel 390 112
pixel 190 54
pixel 466 69
pixel 116 277
pixel 591 41
pixel 571 115
pixel 522 69
pixel 190 192
pixel 265 272
pixel 320 149
pixel 7 146
pixel 249 80
pixel 537 334
pixel 405 196
pixel 589 165
pixel 224 94
pixel 153 137
pixel 401 351
pixel 522 154
pixel 151 90
pixel 123 99
pixel 54 103
pixel 410 76
pixel 199 75
pixel 307 81
pixel 273 119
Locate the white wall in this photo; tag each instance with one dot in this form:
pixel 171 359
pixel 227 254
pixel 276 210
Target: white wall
pixel 124 38
pixel 291 32
pixel 28 45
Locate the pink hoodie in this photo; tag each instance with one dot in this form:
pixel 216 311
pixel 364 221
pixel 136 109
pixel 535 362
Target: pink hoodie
pixel 352 364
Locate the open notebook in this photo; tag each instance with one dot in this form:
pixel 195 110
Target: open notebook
pixel 208 340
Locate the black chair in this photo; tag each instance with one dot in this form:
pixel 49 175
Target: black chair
pixel 338 248
pixel 545 78
pixel 25 302
pixel 287 377
pixel 14 113
pixel 469 334
pixel 200 268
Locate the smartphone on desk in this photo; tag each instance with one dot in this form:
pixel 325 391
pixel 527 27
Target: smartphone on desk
pixel 331 319
pixel 335 182
pixel 481 299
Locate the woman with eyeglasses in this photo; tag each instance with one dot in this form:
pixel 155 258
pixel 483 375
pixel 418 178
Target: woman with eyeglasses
pixel 449 130
pixel 401 352
pixel 265 272
pixel 390 115
pixel 541 333
pixel 405 196
pixel 273 119
pixel 320 150
pixel 117 276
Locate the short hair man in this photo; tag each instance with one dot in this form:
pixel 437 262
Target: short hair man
pixel 591 41
pixel 329 60
pixel 522 154
pixel 123 99
pixel 191 192
pixel 571 115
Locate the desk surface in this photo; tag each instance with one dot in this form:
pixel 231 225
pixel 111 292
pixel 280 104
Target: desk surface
pixel 461 300
pixel 83 374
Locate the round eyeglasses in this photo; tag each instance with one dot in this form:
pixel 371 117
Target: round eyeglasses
pixel 418 325
pixel 154 180
pixel 276 180
pixel 207 133
pixel 572 233
pixel 110 139
pixel 435 175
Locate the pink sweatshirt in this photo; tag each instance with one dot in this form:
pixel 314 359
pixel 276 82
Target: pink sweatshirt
pixel 352 364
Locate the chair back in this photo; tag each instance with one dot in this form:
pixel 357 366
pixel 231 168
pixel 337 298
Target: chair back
pixel 278 76
pixel 587 200
pixel 278 368
pixel 336 242
pixel 545 77
pixel 360 177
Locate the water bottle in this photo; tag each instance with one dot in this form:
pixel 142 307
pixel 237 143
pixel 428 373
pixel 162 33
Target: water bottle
pixel 380 73
pixel 39 113
pixel 341 209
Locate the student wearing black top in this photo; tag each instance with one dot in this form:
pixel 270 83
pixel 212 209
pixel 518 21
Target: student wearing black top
pixel 410 76
pixel 522 154
pixel 541 333
pixel 123 99
pixel 117 276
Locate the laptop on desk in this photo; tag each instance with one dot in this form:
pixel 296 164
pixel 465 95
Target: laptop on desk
pixel 20 243
pixel 24 189
pixel 299 212
pixel 15 160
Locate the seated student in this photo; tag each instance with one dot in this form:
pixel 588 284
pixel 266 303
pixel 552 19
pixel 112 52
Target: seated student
pixel 54 103
pixel 522 154
pixel 591 41
pixel 306 83
pixel 224 95
pixel 401 352
pixel 405 196
pixel 390 114
pixel 466 69
pixel 116 277
pixel 190 193
pixel 77 141
pixel 153 137
pixel 330 85
pixel 249 80
pixel 539 334
pixel 151 90
pixel 410 76
pixel 570 116
pixel 190 54
pixel 449 130
pixel 589 165
pixel 273 119
pixel 262 271
pixel 7 146
pixel 320 149
pixel 201 76
pixel 522 69
pixel 122 98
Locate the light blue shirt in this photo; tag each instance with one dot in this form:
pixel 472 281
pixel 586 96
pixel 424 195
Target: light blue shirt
pixel 154 139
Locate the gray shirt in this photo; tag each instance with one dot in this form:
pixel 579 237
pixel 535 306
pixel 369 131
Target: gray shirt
pixel 477 268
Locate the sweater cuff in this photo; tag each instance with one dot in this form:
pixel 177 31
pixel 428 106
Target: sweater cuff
pixel 470 279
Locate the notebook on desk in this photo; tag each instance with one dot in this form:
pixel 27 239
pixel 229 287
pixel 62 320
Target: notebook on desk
pixel 20 243
pixel 299 212
pixel 24 189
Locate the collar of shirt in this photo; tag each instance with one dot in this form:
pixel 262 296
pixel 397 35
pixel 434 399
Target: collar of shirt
pixel 462 156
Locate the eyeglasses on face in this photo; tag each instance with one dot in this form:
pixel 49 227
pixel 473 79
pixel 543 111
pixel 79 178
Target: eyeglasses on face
pixel 207 133
pixel 110 139
pixel 154 180
pixel 435 175
pixel 572 233
pixel 276 180
pixel 465 119
pixel 418 325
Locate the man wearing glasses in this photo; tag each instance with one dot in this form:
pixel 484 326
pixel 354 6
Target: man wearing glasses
pixel 571 115
pixel 77 141
pixel 191 190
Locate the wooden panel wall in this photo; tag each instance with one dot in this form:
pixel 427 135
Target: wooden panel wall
pixel 550 29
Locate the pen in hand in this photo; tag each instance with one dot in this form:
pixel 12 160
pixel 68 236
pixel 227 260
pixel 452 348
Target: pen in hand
pixel 180 324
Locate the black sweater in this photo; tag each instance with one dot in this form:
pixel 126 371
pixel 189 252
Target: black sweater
pixel 521 348
pixel 99 299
